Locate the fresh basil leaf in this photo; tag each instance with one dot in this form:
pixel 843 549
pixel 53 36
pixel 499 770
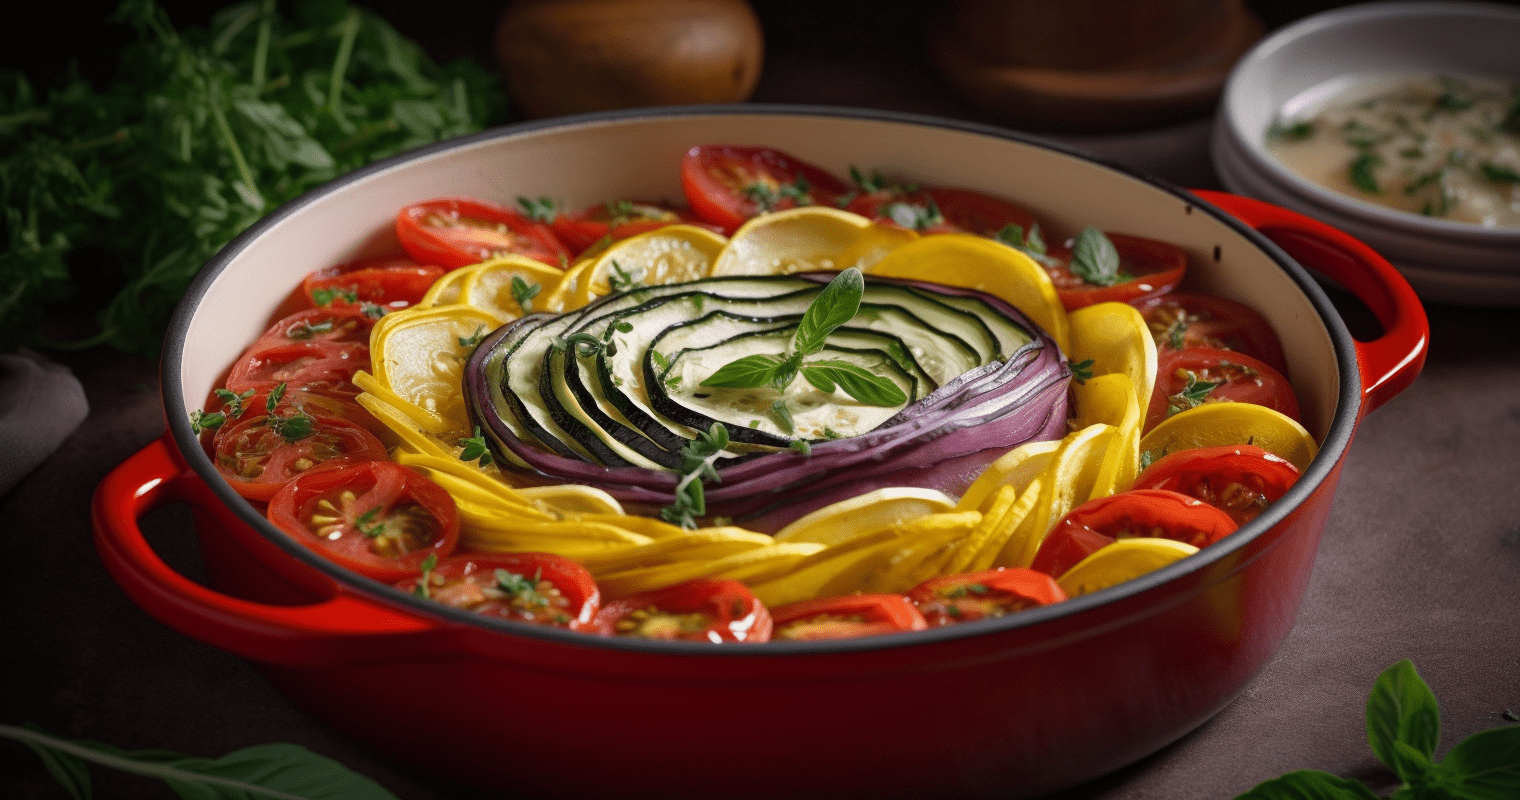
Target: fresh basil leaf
pixel 263 771
pixel 857 382
pixel 820 380
pixel 785 372
pixel 270 770
pixel 1308 784
pixel 71 772
pixel 834 306
pixel 1484 766
pixel 1095 259
pixel 1401 708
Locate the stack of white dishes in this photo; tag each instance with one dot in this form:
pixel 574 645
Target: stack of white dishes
pixel 1337 54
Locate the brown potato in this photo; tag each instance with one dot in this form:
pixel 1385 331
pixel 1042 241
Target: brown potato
pixel 569 56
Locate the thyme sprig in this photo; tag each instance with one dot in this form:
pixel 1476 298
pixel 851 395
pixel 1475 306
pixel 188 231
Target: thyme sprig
pixel 697 459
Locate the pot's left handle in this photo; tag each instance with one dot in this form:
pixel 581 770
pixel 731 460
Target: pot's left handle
pixel 338 629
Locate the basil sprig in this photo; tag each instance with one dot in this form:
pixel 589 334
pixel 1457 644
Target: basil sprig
pixel 1404 729
pixel 261 771
pixel 1095 259
pixel 836 305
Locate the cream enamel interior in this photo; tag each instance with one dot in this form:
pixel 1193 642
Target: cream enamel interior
pixel 590 161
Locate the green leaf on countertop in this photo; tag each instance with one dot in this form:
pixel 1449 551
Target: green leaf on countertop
pixel 1309 784
pixel 277 771
pixel 1402 711
pixel 1484 766
pixel 1403 729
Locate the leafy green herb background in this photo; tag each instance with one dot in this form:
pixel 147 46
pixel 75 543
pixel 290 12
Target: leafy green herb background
pixel 118 187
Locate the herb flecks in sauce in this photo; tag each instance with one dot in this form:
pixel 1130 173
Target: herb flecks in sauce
pixel 1440 145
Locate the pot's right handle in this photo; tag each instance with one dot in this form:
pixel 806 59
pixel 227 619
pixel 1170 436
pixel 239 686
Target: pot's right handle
pixel 334 630
pixel 1389 363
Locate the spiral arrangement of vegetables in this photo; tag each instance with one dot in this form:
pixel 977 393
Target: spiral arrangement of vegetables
pixel 790 410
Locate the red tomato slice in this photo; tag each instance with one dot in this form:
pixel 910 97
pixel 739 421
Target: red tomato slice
pixel 1179 320
pixel 1150 513
pixel 457 232
pixel 729 184
pixel 377 518
pixel 968 596
pixel 1239 479
pixel 941 209
pixel 1154 268
pixel 310 401
pixel 259 453
pixel 541 588
pixel 845 617
pixel 618 219
pixel 1197 375
pixel 390 282
pixel 327 367
pixel 701 610
pixel 345 324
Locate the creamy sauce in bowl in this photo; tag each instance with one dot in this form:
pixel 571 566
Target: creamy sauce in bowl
pixel 1432 144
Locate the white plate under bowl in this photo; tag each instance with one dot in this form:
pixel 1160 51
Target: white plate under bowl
pixel 1446 260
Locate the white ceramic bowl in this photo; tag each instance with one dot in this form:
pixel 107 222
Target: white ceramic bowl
pixel 1444 260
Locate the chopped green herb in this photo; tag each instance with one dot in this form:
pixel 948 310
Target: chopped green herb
pixel 1297 130
pixel 370 524
pixel 326 296
pixel 306 330
pixel 424 587
pixel 1082 371
pixel 1494 172
pixel 473 339
pixel 697 459
pixel 768 197
pixel 1194 393
pixel 1361 172
pixel 523 590
pixel 539 210
pixel 523 292
pixel 621 280
pixel 914 216
pixel 475 448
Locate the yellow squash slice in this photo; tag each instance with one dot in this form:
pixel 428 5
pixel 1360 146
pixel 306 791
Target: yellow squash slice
pixel 808 239
pixel 493 286
pixel 1213 424
pixel 865 514
pixel 419 355
pixel 1121 561
pixel 1114 337
pixel 669 254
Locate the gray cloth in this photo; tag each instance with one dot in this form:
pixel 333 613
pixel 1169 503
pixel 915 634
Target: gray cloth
pixel 41 403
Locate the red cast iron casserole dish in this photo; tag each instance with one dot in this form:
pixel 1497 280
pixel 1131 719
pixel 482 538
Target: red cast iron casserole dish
pixel 1015 706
